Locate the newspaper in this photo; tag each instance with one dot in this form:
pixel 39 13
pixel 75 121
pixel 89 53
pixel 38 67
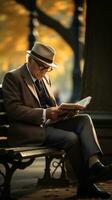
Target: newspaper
pixel 70 109
pixel 79 105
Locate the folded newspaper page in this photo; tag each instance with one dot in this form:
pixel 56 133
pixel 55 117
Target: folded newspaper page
pixel 70 109
pixel 80 105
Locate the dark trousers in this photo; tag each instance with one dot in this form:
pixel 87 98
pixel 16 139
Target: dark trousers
pixel 77 136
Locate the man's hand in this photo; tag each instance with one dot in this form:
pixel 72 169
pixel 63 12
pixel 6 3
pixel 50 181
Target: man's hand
pixel 53 113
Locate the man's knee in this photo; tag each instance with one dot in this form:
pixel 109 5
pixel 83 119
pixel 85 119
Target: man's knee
pixel 86 118
pixel 72 140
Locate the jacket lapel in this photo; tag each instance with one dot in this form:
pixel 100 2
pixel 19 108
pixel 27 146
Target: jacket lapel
pixel 29 82
pixel 49 91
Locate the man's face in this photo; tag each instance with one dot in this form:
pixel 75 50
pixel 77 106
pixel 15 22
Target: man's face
pixel 37 68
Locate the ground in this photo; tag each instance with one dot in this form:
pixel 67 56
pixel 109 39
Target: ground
pixel 24 185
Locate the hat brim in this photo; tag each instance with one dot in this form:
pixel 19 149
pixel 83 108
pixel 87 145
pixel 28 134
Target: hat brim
pixel 53 65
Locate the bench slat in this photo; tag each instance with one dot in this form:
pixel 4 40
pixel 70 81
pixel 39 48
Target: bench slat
pixel 36 153
pixel 24 148
pixel 28 152
pixel 3 138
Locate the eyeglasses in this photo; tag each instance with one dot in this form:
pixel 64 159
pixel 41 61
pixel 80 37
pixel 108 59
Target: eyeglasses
pixel 42 66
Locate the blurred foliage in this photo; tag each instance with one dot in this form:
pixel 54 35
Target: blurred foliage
pixel 14 36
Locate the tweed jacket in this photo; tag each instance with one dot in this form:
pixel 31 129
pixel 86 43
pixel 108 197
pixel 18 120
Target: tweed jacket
pixel 23 107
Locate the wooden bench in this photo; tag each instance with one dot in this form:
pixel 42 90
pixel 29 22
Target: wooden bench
pixel 22 157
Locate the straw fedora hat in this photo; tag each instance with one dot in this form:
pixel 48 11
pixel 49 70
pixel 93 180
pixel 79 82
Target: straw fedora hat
pixel 43 53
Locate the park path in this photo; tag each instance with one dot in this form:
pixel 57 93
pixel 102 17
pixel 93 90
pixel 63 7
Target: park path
pixel 24 185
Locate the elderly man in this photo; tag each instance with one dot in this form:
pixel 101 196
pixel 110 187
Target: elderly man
pixel 30 103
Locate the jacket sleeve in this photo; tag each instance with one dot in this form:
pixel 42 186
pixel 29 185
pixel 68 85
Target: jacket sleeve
pixel 14 105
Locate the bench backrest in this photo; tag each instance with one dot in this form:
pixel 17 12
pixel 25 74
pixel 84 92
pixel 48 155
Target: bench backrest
pixel 3 121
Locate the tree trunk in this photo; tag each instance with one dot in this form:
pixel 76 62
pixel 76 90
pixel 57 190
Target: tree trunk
pixel 97 75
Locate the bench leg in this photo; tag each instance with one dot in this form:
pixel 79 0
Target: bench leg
pixel 7 176
pixel 48 178
pixel 10 168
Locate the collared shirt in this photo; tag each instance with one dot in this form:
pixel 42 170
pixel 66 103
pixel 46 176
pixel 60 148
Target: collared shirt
pixel 34 79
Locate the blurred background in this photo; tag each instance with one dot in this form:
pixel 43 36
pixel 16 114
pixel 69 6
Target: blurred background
pixel 60 23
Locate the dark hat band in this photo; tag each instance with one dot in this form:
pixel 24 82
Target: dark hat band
pixel 41 57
